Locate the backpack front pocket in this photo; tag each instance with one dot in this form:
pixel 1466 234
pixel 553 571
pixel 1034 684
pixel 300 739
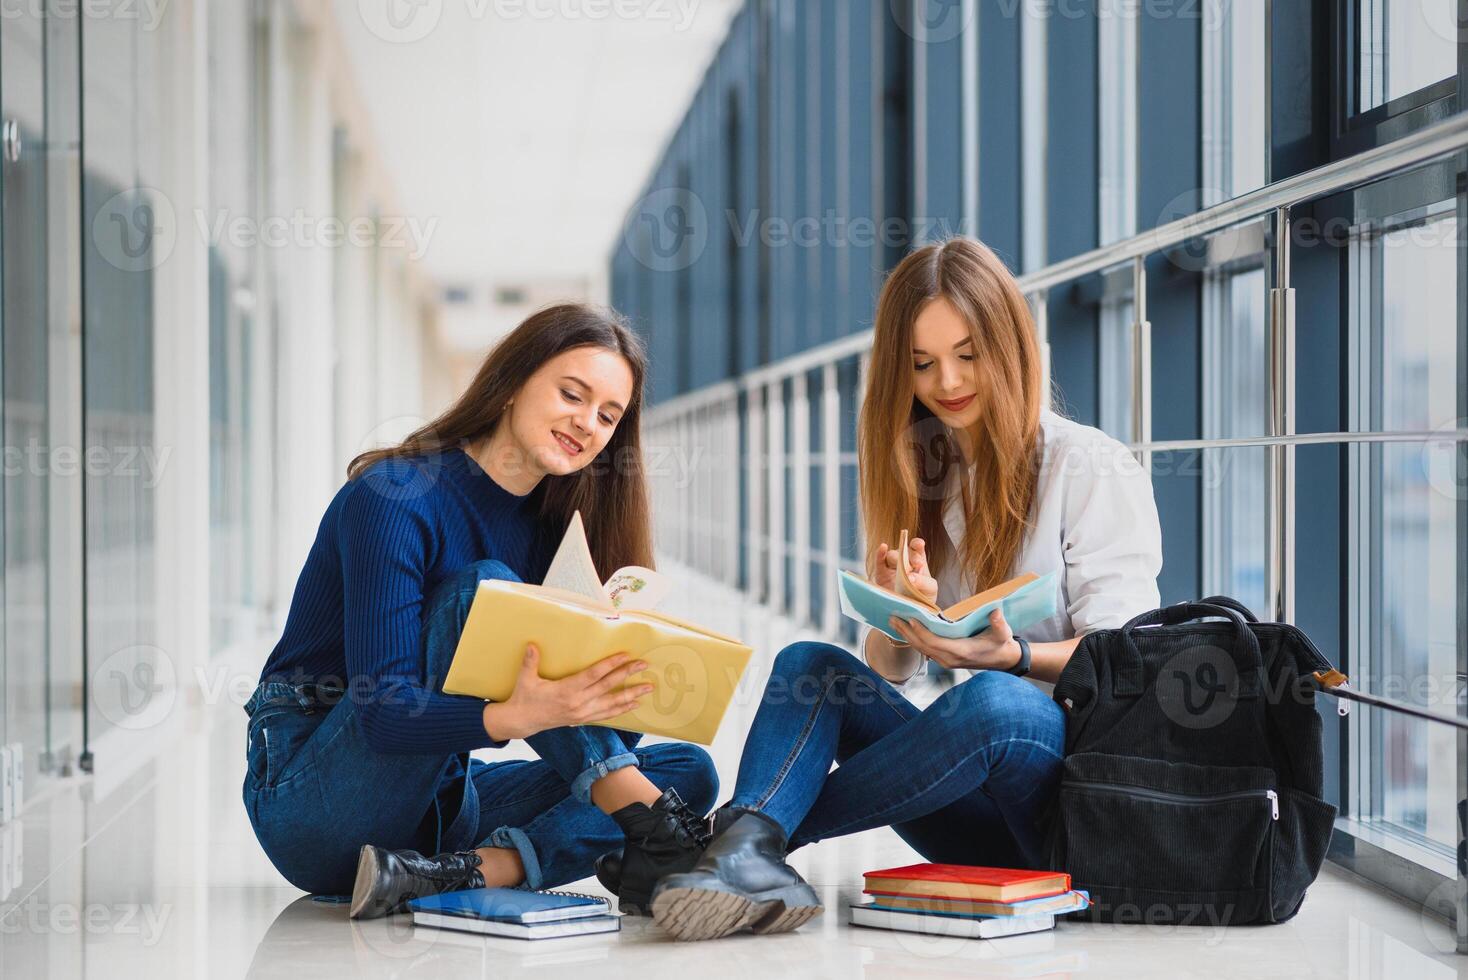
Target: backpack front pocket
pixel 1164 842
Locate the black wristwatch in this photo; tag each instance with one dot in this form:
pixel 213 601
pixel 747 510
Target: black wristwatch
pixel 1023 667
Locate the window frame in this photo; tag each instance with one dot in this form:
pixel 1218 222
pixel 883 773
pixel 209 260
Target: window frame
pixel 1353 129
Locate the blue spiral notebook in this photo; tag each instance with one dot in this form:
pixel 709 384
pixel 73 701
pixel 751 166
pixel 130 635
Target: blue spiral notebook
pixel 1024 606
pixel 513 912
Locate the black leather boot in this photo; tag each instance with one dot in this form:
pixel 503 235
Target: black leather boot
pixel 741 882
pixel 387 880
pixel 662 839
pixel 608 870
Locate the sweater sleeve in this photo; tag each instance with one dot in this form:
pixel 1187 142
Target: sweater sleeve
pixel 386 544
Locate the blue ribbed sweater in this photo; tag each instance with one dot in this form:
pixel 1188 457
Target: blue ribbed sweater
pixel 388 539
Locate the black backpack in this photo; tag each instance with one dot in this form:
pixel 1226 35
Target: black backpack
pixel 1192 780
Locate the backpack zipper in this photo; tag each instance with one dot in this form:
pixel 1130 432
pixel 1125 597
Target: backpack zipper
pixel 1166 797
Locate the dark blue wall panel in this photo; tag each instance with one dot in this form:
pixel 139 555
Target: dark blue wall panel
pixel 999 132
pixel 1073 217
pixel 1170 173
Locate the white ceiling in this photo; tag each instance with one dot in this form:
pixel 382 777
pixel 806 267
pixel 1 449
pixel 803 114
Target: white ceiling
pixel 526 136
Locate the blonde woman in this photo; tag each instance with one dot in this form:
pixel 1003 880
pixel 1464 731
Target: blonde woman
pixel 955 444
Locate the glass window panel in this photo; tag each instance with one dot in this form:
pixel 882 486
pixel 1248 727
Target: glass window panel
pixel 1117 28
pixel 1034 94
pixel 1235 406
pixel 123 252
pixel 1235 114
pixel 1407 527
pixel 1405 46
pixel 1115 365
pixel 27 418
pixel 232 154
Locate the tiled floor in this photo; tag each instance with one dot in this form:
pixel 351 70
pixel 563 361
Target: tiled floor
pixel 159 875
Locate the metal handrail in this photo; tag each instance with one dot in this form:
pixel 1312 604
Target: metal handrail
pixel 1416 148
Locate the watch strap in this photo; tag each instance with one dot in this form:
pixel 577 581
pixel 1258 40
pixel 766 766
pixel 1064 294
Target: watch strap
pixel 1023 667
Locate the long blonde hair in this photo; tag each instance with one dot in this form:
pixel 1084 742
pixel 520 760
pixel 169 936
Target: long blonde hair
pixel 907 454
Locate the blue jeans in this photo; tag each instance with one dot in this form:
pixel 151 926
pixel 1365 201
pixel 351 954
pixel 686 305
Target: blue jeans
pixel 316 792
pixel 965 781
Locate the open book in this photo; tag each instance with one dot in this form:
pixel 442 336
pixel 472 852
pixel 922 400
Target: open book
pixel 572 570
pixel 1025 600
pixel 576 620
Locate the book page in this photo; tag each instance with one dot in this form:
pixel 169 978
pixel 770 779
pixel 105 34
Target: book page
pixel 959 610
pixel 635 587
pixel 904 562
pixel 572 568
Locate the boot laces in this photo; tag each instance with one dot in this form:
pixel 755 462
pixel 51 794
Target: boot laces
pixel 696 827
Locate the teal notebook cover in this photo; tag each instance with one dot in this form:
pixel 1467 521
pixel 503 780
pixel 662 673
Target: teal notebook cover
pixel 1024 607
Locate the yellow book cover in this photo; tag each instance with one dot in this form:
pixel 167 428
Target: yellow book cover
pixel 576 620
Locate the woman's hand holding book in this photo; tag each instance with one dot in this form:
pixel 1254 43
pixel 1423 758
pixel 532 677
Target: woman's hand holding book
pixel 993 649
pixel 595 694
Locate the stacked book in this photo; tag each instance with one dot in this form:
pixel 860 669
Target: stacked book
pixel 960 900
pixel 512 912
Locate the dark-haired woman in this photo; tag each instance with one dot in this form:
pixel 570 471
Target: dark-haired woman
pixel 358 764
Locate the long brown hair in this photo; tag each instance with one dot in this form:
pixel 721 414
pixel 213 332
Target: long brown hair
pixel 610 491
pixel 907 453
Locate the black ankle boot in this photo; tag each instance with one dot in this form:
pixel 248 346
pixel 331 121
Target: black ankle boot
pixel 741 882
pixel 608 870
pixel 662 839
pixel 387 880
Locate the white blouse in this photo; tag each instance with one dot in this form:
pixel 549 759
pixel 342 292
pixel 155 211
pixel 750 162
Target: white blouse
pixel 1094 521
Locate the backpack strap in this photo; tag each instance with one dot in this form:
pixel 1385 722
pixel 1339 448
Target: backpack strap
pixel 1128 679
pixel 1234 604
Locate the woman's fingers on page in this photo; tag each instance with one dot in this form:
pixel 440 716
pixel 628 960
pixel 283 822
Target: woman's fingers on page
pixel 616 703
pixel 597 671
pixel 615 679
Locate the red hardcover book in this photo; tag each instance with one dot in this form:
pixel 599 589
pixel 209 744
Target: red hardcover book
pixel 967 882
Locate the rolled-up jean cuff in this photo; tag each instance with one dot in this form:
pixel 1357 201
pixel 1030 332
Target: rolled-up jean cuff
pixel 581 788
pixel 514 838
